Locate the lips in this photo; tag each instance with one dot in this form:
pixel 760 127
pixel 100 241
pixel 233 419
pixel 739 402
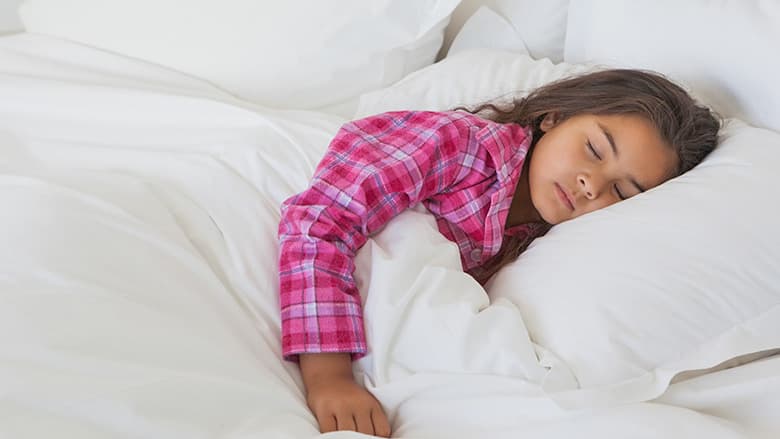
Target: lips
pixel 564 196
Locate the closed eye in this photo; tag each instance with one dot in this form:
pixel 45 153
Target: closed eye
pixel 620 194
pixel 593 150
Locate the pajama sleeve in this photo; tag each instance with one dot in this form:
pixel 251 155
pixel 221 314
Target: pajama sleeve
pixel 374 169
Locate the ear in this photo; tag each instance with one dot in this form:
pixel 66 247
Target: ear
pixel 549 121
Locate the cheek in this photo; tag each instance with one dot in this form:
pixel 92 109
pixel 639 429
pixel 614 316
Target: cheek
pixel 554 166
pixel 541 173
pixel 543 162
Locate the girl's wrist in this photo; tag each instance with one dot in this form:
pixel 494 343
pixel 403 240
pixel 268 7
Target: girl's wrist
pixel 324 366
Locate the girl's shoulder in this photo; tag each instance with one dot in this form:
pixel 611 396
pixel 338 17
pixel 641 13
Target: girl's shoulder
pixel 437 117
pixel 501 139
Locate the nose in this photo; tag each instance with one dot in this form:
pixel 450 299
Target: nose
pixel 590 186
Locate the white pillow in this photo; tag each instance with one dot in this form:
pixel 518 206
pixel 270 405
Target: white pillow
pixel 682 277
pixel 487 30
pixel 693 263
pixel 284 54
pixel 727 50
pixel 466 78
pixel 540 25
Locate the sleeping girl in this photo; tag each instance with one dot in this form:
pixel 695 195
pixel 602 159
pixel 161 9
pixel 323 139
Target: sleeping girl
pixel 495 178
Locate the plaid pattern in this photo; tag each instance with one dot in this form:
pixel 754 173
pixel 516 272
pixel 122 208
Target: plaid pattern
pixel 461 167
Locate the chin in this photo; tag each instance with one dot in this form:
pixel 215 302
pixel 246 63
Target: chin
pixel 548 209
pixel 553 221
pixel 550 215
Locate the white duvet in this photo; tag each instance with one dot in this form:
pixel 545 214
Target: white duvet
pixel 138 282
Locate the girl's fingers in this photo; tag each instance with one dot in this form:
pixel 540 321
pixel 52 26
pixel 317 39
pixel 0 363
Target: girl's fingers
pixel 327 423
pixel 381 425
pixel 345 421
pixel 363 422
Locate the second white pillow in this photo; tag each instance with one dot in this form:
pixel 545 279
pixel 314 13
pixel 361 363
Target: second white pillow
pixel 680 278
pixel 467 78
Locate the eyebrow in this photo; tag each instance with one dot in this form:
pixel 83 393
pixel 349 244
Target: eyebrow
pixel 611 141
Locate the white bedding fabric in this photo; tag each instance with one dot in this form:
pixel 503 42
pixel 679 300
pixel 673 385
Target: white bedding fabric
pixel 293 54
pixel 726 50
pixel 138 281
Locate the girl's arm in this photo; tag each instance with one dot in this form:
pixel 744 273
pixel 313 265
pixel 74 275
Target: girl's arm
pixel 374 169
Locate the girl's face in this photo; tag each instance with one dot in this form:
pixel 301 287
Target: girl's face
pixel 588 162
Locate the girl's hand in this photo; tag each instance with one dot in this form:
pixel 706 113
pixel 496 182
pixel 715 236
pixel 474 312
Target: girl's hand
pixel 337 401
pixel 341 404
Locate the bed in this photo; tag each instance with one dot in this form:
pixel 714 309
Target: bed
pixel 145 148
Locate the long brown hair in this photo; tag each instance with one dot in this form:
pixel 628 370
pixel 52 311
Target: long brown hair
pixel 689 128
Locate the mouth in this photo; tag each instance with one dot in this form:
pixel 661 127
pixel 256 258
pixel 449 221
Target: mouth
pixel 564 197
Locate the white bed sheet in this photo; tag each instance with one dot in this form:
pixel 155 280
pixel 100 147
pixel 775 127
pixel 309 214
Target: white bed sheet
pixel 138 280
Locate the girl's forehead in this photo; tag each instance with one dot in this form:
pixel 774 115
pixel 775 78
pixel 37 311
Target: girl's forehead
pixel 632 129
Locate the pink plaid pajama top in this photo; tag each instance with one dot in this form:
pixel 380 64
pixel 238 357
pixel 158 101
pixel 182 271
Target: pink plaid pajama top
pixel 464 169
